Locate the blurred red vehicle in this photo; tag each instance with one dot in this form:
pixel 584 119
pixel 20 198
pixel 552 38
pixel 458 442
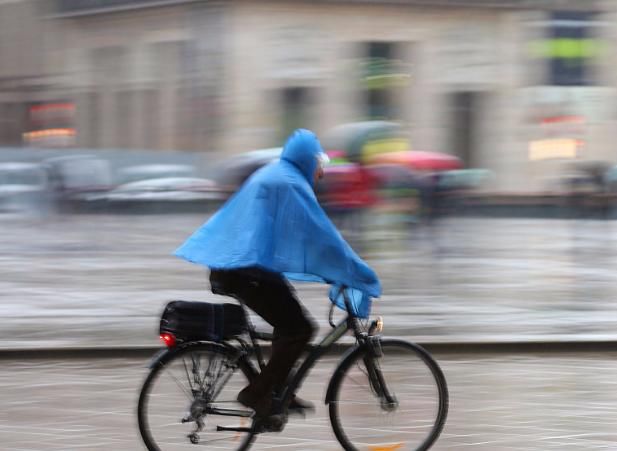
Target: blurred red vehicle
pixel 419 160
pixel 347 186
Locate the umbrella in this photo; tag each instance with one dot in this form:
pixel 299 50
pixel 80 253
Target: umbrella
pixel 235 170
pixel 337 157
pixel 360 140
pixel 419 160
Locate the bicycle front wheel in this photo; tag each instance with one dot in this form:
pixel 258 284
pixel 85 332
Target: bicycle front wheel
pixel 190 398
pixel 396 399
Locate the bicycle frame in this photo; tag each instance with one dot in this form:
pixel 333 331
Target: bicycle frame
pixel 316 351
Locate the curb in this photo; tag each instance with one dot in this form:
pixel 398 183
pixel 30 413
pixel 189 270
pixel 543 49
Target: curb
pixel 85 352
pixel 433 347
pixel 520 347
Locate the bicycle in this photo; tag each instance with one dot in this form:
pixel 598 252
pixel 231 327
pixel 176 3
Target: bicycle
pixel 398 381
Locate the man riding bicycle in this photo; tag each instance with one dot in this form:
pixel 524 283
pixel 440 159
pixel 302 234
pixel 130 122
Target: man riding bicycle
pixel 273 230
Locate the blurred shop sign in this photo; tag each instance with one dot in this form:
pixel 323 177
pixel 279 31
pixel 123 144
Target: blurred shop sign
pixel 561 117
pixel 594 103
pixel 50 124
pixel 557 148
pixel 381 73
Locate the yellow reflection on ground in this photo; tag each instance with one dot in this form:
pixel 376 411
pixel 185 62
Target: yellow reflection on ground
pixel 385 447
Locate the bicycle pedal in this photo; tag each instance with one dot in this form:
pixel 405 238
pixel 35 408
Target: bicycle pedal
pixel 297 413
pixel 273 423
pixel 301 412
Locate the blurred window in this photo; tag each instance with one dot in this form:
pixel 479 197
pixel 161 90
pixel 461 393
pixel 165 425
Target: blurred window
pixel 171 60
pixel 93 114
pixel 150 107
pixel 125 119
pixel 295 109
pixel 570 48
pixel 109 65
pixel 381 77
pixel 11 123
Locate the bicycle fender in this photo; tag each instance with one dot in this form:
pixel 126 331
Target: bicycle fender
pixel 164 354
pixel 157 358
pixel 340 370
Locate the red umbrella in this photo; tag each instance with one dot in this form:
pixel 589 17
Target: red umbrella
pixel 419 160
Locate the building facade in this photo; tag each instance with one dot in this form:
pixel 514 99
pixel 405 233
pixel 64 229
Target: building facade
pixel 519 87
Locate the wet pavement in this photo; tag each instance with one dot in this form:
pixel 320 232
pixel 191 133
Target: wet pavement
pixel 503 402
pixel 103 280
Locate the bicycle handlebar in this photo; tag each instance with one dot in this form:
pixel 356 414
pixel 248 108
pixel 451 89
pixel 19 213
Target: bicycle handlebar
pixel 348 306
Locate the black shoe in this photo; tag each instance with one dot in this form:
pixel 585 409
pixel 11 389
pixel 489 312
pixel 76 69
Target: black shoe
pixel 301 406
pixel 271 423
pixel 265 419
pixel 261 405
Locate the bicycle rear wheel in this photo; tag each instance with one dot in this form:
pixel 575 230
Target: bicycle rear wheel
pixel 395 401
pixel 190 395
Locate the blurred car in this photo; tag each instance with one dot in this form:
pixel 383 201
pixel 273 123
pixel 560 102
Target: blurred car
pixel 23 186
pixel 77 181
pixel 165 189
pixel 346 186
pixel 419 160
pixel 235 170
pixel 162 188
pixel 154 171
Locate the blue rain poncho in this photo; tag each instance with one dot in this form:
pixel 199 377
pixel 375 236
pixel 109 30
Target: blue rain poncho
pixel 275 222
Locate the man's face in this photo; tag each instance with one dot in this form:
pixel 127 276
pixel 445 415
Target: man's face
pixel 318 174
pixel 322 159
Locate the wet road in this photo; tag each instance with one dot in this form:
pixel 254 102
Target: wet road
pixel 505 402
pixel 88 280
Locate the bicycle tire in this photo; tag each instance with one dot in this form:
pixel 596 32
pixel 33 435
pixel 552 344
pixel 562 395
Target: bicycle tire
pixel 156 440
pixel 367 433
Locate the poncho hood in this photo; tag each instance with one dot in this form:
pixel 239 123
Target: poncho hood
pixel 302 150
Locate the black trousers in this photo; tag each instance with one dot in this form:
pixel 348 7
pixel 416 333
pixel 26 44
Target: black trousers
pixel 271 297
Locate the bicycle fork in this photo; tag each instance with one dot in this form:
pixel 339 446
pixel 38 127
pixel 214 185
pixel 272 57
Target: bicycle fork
pixel 377 382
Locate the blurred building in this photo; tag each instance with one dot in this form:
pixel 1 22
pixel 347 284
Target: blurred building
pixel 25 79
pixel 516 86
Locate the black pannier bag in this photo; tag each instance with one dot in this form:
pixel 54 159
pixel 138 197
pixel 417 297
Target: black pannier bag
pixel 193 321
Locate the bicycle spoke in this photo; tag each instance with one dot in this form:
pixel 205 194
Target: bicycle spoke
pixel 189 394
pixel 188 377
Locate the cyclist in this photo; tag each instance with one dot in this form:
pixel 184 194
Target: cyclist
pixel 273 229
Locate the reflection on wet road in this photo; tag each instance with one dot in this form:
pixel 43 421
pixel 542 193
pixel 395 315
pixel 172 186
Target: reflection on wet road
pixel 102 279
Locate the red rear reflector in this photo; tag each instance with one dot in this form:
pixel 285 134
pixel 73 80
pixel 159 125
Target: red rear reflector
pixel 168 339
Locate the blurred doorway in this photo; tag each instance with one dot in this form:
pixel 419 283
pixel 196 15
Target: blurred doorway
pixel 465 113
pixel 296 109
